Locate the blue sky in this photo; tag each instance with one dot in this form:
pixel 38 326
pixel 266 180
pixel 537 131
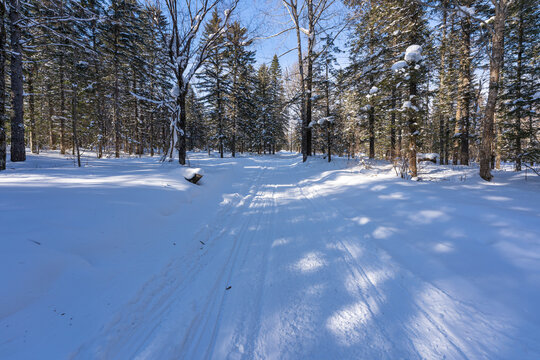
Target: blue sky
pixel 267 17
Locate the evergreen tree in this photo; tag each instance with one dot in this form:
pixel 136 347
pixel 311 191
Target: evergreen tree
pixel 214 84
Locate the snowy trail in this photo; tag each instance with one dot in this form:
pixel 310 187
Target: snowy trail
pixel 321 261
pixel 304 284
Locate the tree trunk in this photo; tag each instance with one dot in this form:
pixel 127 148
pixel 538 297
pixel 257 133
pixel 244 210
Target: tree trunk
pixel 32 108
pixel 393 154
pixel 495 64
pixel 464 92
pixel 181 125
pixel 519 69
pixel 18 152
pixel 50 117
pixel 62 107
pixel 371 129
pixel 413 126
pixel 116 102
pixel 74 124
pixel 303 118
pixel 3 145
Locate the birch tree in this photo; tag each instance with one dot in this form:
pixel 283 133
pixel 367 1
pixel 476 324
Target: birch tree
pixel 187 52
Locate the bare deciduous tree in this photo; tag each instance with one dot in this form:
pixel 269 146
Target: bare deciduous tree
pixel 187 52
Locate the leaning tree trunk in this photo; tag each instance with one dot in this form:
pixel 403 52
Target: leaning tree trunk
pixel 17 125
pixel 2 87
pixel 495 64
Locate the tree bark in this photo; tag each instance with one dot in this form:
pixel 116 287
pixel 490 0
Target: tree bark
pixel 393 154
pixel 181 125
pixel 3 145
pixel 18 152
pixel 371 130
pixel 74 119
pixel 309 77
pixel 495 64
pixel 413 129
pixel 519 70
pixel 32 108
pixel 464 91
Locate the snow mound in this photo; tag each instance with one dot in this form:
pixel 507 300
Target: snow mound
pixel 413 53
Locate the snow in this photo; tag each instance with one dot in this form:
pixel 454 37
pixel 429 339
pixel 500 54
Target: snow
pixel 413 54
pixel 373 90
pixel 427 156
pixel 268 258
pixel 399 65
pixel 175 91
pixel 409 105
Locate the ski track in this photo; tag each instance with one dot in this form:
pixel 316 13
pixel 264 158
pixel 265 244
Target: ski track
pixel 346 297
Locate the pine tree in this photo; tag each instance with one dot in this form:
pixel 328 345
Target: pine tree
pixel 238 59
pixel 519 85
pixel 18 152
pixel 213 82
pixel 277 120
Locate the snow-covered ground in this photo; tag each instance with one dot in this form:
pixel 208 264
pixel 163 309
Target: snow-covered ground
pixel 268 258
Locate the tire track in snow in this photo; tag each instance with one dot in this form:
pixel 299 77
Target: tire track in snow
pixel 239 309
pixel 210 324
pixel 163 292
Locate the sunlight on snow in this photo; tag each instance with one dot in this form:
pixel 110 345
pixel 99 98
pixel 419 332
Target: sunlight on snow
pixel 230 199
pixel 370 280
pixel 361 220
pixel 280 242
pixel 311 262
pixel 443 247
pixel 497 198
pixel 346 324
pixel 394 196
pixel 428 216
pixel 383 232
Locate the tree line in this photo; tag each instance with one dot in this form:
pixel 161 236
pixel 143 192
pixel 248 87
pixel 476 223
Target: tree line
pixel 416 81
pixel 456 78
pixel 100 75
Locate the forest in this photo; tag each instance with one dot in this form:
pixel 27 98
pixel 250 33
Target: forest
pixel 455 78
pixel 270 179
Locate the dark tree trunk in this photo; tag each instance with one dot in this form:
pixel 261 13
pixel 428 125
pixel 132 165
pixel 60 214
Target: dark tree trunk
pixel 62 107
pixel 393 154
pixel 519 69
pixel 181 103
pixel 464 92
pixel 371 129
pixel 50 117
pixel 413 127
pixel 495 64
pixel 116 101
pixel 442 87
pixel 74 120
pixel 18 152
pixel 32 108
pixel 3 145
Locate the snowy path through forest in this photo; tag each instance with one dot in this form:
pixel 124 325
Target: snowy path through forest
pixel 275 259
